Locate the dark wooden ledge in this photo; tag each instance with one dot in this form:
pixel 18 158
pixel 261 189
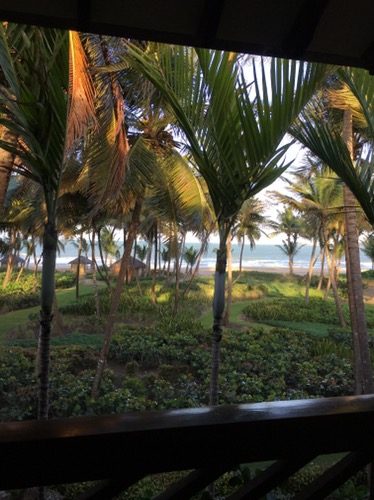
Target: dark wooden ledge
pixel 88 448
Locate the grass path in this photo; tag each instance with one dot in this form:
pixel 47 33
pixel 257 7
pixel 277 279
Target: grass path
pixel 238 320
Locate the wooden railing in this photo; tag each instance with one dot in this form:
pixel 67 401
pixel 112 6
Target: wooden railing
pixel 119 450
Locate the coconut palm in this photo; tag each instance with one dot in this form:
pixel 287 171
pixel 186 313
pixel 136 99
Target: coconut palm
pixel 351 159
pixel 290 225
pixel 232 131
pixel 141 251
pixel 190 256
pixel 317 196
pixel 249 225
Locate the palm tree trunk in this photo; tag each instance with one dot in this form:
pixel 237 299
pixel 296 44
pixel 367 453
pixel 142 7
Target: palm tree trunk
pixel 6 163
pixel 135 245
pixel 241 254
pixel 58 323
pixel 78 266
pixel 338 303
pixel 218 309
pixel 94 279
pixel 196 268
pixel 154 274
pixel 116 297
pixel 226 318
pixel 355 294
pixel 312 263
pixel 322 273
pixel 357 365
pixel 178 259
pixel 148 256
pixel 290 257
pixel 47 295
pixel 104 275
pixel 11 257
pixel 183 247
pixel 159 248
pixel 290 265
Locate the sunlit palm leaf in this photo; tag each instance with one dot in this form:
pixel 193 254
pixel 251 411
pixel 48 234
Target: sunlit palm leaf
pixel 326 143
pixel 361 84
pixel 81 112
pixel 107 147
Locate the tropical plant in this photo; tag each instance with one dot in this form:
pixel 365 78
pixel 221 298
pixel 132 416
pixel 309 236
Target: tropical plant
pixel 190 256
pixel 47 113
pixel 232 130
pixel 317 196
pixel 141 251
pixel 368 248
pixel 290 225
pixel 249 225
pixel 346 146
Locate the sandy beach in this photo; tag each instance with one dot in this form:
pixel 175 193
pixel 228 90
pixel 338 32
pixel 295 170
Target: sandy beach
pixel 300 271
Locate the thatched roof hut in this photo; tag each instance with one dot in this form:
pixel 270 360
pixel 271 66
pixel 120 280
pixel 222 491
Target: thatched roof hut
pixel 136 266
pixel 85 265
pixel 17 261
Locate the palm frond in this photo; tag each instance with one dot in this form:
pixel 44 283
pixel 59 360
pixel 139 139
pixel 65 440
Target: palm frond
pixel 81 111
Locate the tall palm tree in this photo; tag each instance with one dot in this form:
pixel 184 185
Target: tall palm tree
pixel 232 130
pixel 6 162
pixel 333 143
pixel 291 226
pixel 249 225
pixel 47 111
pixel 317 196
pixel 190 256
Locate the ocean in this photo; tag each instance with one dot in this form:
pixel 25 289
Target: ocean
pixel 262 256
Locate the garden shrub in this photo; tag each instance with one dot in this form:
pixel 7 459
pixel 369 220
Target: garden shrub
pixel 65 279
pixel 130 303
pixel 20 294
pixel 294 309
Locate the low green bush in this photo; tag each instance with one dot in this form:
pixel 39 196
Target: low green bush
pixel 294 309
pixel 130 302
pixel 20 294
pixel 65 279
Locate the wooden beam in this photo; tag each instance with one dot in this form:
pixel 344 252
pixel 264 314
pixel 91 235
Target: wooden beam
pixel 209 21
pixel 192 484
pixel 270 478
pixel 78 16
pixel 94 448
pixel 111 488
pixel 336 475
pixel 302 31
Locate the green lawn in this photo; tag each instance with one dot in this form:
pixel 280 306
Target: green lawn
pixel 13 319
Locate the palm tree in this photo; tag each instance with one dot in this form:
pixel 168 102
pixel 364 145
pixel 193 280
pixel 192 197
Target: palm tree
pixel 108 244
pixel 190 256
pixel 368 248
pixel 233 131
pixel 290 225
pixel 318 198
pixel 250 220
pixel 334 145
pixel 47 113
pixel 141 252
pixel 6 162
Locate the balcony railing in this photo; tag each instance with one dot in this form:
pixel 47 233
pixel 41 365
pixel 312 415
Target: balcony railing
pixel 119 450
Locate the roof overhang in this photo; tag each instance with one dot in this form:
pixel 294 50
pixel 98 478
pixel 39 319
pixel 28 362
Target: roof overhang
pixel 331 31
